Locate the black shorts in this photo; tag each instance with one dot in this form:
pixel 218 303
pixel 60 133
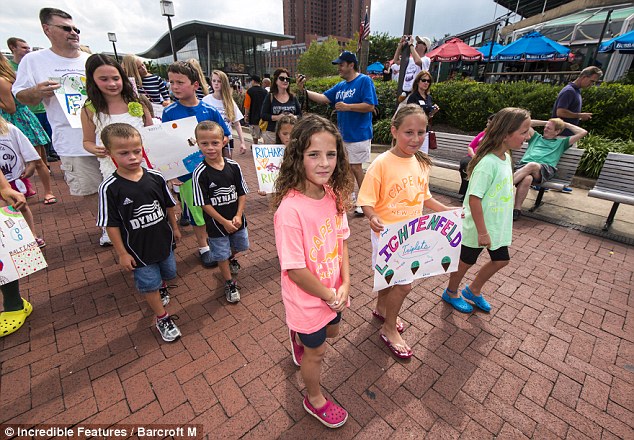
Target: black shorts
pixel 547 172
pixel 470 255
pixel 314 340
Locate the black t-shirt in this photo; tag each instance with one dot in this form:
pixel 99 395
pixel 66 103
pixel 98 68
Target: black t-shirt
pixel 426 104
pixel 220 189
pixel 139 210
pixel 257 94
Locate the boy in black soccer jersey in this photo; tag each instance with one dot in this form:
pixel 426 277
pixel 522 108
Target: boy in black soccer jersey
pixel 137 210
pixel 221 191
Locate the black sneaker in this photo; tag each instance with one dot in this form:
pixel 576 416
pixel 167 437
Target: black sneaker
pixel 517 213
pixel 231 292
pixel 234 266
pixel 165 295
pixel 183 221
pixel 167 328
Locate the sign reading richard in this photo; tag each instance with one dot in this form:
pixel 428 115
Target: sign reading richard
pixel 418 248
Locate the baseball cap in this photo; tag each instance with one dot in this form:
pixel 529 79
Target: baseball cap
pixel 426 41
pixel 347 57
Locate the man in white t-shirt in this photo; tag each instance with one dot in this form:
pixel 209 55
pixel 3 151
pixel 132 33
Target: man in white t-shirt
pixel 417 60
pixel 39 75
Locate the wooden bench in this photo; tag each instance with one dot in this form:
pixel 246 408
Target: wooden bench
pixel 566 169
pixel 451 149
pixel 615 183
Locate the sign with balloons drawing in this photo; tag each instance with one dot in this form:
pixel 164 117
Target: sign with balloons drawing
pixel 418 248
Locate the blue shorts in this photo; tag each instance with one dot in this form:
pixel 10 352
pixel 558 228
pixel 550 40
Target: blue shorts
pixel 314 340
pixel 150 278
pixel 223 247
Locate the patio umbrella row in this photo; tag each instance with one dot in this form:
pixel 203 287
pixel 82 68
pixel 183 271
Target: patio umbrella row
pixel 531 47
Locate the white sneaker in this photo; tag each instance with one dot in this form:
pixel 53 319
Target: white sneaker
pixel 358 212
pixel 104 240
pixel 168 329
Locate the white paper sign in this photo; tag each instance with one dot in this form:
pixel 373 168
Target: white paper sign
pixel 19 254
pixel 71 96
pixel 418 248
pixel 268 159
pixel 171 147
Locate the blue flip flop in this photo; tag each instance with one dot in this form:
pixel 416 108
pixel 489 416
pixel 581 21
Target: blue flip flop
pixel 457 303
pixel 479 301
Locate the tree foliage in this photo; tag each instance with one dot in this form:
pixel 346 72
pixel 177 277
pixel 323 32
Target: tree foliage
pixel 382 47
pixel 317 60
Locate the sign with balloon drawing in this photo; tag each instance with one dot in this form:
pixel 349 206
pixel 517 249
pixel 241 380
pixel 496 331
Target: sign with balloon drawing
pixel 418 248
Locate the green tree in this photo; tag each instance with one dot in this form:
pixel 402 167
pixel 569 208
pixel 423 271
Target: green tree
pixel 351 46
pixel 382 47
pixel 317 60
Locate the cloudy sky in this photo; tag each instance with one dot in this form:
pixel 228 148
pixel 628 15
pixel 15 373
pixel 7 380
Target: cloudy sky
pixel 138 23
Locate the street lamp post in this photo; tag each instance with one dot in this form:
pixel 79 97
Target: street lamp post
pixel 113 37
pixel 167 10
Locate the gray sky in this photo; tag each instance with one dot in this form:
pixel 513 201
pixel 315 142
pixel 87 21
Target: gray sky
pixel 138 23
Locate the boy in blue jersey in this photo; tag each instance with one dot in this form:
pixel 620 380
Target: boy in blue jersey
pixel 184 81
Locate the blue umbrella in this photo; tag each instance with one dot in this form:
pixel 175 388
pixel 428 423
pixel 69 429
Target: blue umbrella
pixel 375 68
pixel 486 49
pixel 533 47
pixel 623 44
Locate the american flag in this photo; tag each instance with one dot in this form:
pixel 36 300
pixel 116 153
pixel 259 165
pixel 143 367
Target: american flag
pixel 364 30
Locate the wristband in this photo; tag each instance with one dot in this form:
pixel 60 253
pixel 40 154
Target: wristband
pixel 335 302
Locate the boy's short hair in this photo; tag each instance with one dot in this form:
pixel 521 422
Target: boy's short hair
pixel 558 123
pixel 184 68
pixel 118 130
pixel 13 42
pixel 209 126
pixel 47 13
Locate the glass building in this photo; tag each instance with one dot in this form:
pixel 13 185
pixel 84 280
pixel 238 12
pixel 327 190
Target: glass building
pixel 237 52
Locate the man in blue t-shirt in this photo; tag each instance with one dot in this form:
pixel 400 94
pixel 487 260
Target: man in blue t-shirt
pixel 354 99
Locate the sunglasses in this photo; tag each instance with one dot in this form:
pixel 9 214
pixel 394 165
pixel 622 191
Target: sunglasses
pixel 426 81
pixel 67 28
pixel 284 78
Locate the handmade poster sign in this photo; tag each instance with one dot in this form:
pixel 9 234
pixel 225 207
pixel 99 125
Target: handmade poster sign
pixel 19 254
pixel 418 248
pixel 71 96
pixel 171 147
pixel 268 159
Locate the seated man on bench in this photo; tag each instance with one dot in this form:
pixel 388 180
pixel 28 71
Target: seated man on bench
pixel 539 163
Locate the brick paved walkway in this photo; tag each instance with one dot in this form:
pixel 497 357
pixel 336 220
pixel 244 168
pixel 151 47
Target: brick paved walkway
pixel 554 359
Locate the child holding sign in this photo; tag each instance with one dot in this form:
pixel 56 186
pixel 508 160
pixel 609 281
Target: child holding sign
pixel 489 225
pixel 283 134
pixel 16 309
pixel 311 230
pixel 394 189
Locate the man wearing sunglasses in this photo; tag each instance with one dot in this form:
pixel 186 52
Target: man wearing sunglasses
pixel 39 75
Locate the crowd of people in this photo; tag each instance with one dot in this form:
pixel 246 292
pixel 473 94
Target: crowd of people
pixel 321 179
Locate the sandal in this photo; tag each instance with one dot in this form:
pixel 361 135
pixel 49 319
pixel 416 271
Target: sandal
pixel 40 242
pixel 394 348
pixel 400 326
pixel 331 414
pixel 479 301
pixel 10 322
pixel 50 200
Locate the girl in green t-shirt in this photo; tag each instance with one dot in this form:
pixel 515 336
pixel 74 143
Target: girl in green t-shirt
pixel 488 207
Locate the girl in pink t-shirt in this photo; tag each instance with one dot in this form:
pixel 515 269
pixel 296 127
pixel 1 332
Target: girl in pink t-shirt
pixel 471 151
pixel 312 194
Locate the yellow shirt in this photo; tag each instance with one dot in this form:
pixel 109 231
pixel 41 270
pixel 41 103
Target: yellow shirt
pixel 395 187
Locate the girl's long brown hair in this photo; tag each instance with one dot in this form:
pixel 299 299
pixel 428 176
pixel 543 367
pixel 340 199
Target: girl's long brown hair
pixel 398 118
pixel 6 71
pixel 505 122
pixel 293 174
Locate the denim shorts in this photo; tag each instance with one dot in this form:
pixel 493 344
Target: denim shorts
pixel 150 278
pixel 314 340
pixel 223 247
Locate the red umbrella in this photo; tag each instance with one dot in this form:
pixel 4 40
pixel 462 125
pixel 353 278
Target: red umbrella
pixel 455 50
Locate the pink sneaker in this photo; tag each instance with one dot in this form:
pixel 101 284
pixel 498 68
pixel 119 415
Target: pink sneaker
pixel 296 350
pixel 331 414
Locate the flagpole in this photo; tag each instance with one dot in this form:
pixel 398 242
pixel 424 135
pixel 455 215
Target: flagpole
pixel 365 44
